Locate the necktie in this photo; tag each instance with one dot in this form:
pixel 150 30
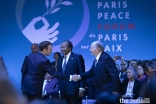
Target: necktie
pixel 95 62
pixel 64 64
pixel 46 86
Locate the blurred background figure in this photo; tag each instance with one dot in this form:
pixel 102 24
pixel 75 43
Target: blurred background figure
pixel 56 56
pixel 34 49
pixel 3 69
pixel 131 86
pixel 151 90
pixel 8 94
pixel 134 63
pixel 123 67
pixel 107 98
pixel 150 71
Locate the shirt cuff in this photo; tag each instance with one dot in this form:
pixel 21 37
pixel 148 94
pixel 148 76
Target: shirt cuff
pixel 70 79
pixel 82 89
pixel 79 77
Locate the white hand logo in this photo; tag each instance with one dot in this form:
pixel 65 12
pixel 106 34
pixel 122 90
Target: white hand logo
pixel 42 34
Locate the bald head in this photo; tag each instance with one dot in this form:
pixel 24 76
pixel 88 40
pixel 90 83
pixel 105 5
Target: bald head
pixel 96 47
pixel 34 48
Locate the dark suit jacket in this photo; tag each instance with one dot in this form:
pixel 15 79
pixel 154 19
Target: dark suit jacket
pixel 75 65
pixel 3 69
pixel 136 88
pixel 36 67
pixel 143 88
pixel 105 76
pixel 23 72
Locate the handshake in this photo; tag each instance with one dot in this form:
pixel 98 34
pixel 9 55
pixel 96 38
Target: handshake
pixel 75 78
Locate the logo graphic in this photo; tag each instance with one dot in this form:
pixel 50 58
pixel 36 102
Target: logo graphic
pixel 50 34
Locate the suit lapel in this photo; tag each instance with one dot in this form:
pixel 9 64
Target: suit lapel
pixel 71 57
pixel 98 64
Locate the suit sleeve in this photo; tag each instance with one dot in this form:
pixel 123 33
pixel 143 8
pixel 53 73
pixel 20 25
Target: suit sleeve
pixel 51 70
pixel 87 74
pixel 113 72
pixel 81 68
pixel 24 68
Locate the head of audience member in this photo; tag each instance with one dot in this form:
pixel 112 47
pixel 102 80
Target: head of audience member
pixel 45 47
pixel 66 47
pixel 141 70
pixel 57 55
pixel 96 47
pixel 34 48
pixel 124 66
pixel 107 98
pixel 131 73
pixel 150 70
pixel 154 62
pixel 134 63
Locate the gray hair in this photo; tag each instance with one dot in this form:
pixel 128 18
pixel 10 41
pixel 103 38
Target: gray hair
pixel 99 45
pixel 133 70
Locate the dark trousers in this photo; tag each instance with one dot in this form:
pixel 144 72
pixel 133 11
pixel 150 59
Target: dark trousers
pixel 30 97
pixel 72 99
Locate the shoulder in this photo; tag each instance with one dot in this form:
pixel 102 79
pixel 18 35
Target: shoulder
pixel 76 55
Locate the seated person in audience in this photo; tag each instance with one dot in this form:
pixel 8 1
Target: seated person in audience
pixel 56 56
pixel 134 63
pixel 89 90
pixel 50 87
pixel 141 72
pixel 131 86
pixel 150 71
pixel 123 73
pixel 123 67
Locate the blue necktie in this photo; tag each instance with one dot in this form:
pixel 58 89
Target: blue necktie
pixel 95 62
pixel 64 64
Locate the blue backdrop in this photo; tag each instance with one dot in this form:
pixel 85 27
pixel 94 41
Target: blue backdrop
pixel 125 27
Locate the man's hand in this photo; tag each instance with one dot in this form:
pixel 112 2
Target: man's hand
pixel 75 78
pixel 81 92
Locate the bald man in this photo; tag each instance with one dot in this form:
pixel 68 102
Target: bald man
pixel 34 49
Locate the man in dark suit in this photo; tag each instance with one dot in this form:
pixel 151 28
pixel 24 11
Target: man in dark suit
pixel 34 49
pixel 104 72
pixel 35 68
pixel 70 63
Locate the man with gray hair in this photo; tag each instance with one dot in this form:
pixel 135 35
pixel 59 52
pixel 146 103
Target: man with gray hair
pixel 104 72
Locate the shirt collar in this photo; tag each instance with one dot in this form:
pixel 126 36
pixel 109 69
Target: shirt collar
pixel 98 56
pixel 43 53
pixel 68 55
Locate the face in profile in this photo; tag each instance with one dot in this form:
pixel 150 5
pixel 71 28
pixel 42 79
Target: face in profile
pixel 93 49
pixel 48 51
pixel 140 70
pixel 65 49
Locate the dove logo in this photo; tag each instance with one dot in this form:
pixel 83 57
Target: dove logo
pixel 50 34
